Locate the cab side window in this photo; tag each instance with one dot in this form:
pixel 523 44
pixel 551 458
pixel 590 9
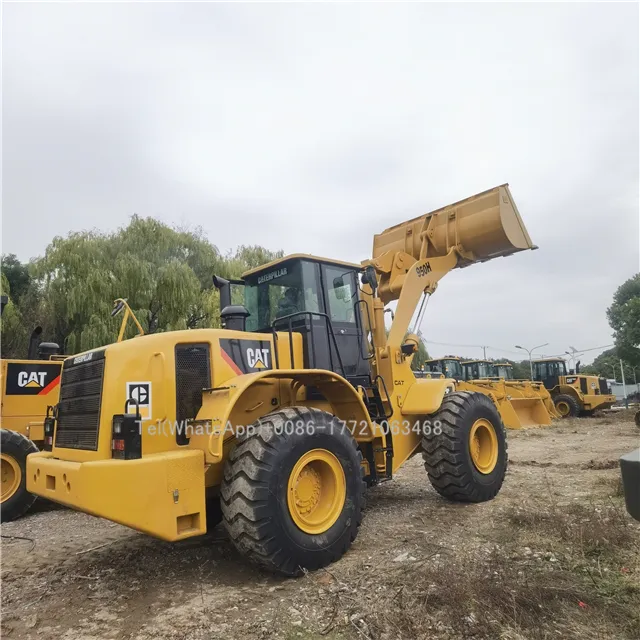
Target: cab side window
pixel 341 294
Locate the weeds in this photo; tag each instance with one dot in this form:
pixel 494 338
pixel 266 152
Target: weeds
pixel 561 572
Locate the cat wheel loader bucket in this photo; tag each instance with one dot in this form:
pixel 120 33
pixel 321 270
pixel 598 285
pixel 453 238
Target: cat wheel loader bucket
pixel 520 404
pixel 532 403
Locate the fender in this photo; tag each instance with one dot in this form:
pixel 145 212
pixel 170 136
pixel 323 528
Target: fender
pixel 245 398
pixel 425 395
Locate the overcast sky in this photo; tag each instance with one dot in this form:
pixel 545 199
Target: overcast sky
pixel 309 128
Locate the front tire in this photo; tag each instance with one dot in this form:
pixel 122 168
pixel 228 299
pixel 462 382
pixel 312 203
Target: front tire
pixel 567 406
pixel 15 499
pixel 465 449
pixel 292 498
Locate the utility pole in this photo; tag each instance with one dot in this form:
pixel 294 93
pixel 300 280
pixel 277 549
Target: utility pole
pixel 624 386
pixel 484 351
pixel 530 351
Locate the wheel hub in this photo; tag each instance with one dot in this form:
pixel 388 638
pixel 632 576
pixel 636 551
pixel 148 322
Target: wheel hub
pixel 483 446
pixel 563 408
pixel 316 491
pixel 307 490
pixel 10 475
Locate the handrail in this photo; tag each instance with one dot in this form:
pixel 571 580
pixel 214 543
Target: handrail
pixel 360 334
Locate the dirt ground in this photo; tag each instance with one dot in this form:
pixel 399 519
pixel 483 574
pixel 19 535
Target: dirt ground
pixel 553 556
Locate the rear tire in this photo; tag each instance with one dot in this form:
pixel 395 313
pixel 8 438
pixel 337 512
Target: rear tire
pixel 16 500
pixel 567 406
pixel 465 449
pixel 294 501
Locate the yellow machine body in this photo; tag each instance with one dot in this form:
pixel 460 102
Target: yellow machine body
pixel 590 393
pixel 28 388
pixel 164 490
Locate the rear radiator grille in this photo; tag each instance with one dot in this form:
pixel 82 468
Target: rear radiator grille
pixel 79 407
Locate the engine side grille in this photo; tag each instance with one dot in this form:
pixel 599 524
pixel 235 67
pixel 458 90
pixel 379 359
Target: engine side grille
pixel 193 374
pixel 583 386
pixel 80 398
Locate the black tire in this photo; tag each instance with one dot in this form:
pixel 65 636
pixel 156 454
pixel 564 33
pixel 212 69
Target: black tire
pixel 637 419
pixel 18 447
pixel 446 449
pixel 572 403
pixel 254 491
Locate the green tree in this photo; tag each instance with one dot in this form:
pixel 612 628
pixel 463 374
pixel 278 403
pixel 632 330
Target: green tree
pixel 420 357
pixel 165 273
pixel 624 318
pixel 607 365
pixel 15 336
pixel 17 275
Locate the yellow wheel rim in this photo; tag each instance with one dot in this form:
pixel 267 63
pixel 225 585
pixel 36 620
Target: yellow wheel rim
pixel 563 408
pixel 11 475
pixel 483 446
pixel 316 491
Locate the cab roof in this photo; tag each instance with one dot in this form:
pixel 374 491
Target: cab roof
pixel 301 256
pixel 550 360
pixel 474 361
pixel 443 358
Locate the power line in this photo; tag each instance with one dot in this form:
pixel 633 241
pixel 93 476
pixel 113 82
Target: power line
pixel 471 346
pixel 517 353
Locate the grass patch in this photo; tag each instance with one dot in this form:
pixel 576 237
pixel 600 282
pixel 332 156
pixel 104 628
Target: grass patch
pixel 569 572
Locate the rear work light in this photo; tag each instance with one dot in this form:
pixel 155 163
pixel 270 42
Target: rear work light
pixel 126 437
pixel 49 427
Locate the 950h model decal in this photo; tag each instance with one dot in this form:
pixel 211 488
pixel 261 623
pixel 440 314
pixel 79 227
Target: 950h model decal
pixel 32 379
pixel 246 356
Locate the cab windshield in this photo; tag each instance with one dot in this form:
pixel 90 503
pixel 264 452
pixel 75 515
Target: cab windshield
pixel 449 368
pixel 504 371
pixel 286 289
pixel 549 369
pixel 484 370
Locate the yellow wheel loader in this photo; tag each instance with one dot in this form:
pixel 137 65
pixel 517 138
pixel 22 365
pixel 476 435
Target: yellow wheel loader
pixel 521 403
pixel 278 421
pixel 573 394
pixel 28 387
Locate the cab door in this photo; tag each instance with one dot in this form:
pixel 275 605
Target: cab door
pixel 341 293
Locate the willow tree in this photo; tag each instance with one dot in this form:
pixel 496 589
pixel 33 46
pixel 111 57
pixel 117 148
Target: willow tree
pixel 165 274
pixel 14 332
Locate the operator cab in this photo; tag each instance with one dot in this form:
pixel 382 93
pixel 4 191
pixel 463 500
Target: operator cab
pixel 449 367
pixel 503 370
pixel 318 298
pixel 548 371
pixel 478 369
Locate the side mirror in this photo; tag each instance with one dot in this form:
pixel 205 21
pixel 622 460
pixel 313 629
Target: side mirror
pixel 369 277
pixel 338 282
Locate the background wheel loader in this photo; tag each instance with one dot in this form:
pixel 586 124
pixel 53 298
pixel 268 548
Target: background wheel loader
pixel 573 394
pixel 521 403
pixel 28 386
pixel 279 420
